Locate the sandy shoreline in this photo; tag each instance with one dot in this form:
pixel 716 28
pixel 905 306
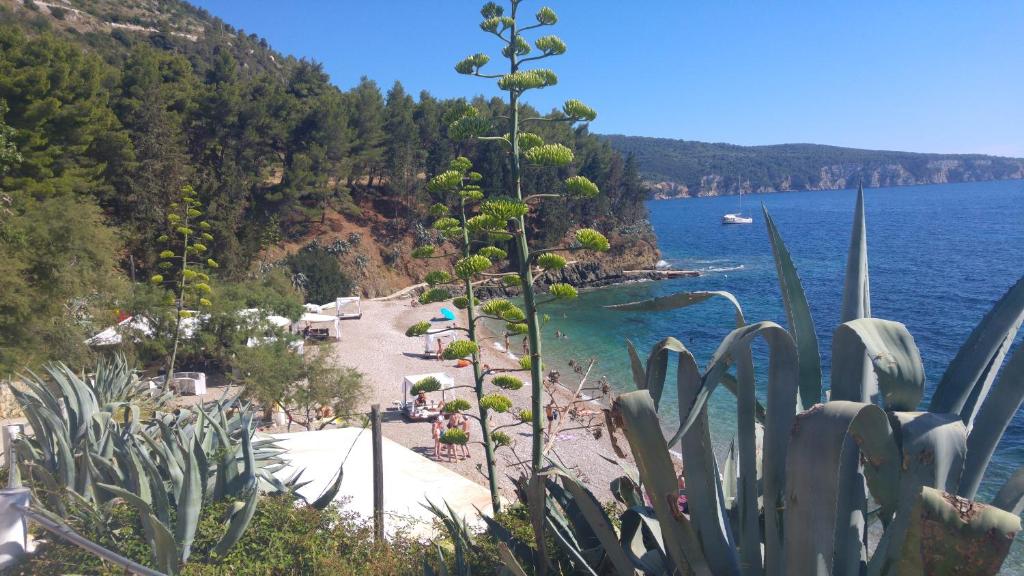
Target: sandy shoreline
pixel 377 346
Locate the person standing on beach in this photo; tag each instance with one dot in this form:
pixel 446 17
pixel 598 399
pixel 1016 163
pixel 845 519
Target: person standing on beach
pixel 551 411
pixel 440 348
pixel 435 431
pixel 506 343
pixel 526 345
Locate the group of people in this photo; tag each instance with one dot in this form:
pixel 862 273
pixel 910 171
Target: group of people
pixel 455 421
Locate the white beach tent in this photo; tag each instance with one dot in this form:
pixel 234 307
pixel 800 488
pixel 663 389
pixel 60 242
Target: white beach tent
pixel 447 382
pixel 345 307
pixel 113 335
pixel 431 337
pixel 322 322
pixel 409 478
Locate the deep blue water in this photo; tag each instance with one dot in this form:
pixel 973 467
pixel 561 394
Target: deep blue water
pixel 939 256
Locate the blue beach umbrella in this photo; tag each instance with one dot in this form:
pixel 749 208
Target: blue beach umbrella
pixel 448 314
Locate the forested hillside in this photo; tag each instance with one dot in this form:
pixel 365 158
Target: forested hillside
pixel 109 108
pixel 686 168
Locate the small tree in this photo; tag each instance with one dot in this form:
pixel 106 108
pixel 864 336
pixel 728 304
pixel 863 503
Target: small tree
pixel 473 227
pixel 527 149
pixel 183 264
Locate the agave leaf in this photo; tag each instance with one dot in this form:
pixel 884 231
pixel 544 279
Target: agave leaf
pixel 966 381
pixel 626 492
pixel 856 290
pixel 732 385
pixel 639 530
pixel 637 366
pixel 50 489
pixel 561 537
pixel 657 366
pixel 598 522
pixel 640 424
pixel 703 489
pixel 798 313
pixel 950 535
pixel 782 391
pixel 190 501
pixel 999 407
pixel 325 499
pixel 729 475
pixel 522 550
pixel 1011 495
pixel 894 359
pixel 933 447
pixel 680 300
pixel 240 520
pixel 161 541
pixel 514 568
pixel 578 528
pixel 821 491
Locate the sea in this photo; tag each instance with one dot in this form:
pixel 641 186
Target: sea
pixel 939 257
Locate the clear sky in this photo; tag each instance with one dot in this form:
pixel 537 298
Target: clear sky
pixel 923 76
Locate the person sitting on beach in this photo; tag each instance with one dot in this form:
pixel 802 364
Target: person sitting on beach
pixel 421 400
pixel 435 432
pixel 551 410
pixel 682 501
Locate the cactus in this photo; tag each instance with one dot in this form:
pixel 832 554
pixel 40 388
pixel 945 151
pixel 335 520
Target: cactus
pixel 804 502
pixel 165 466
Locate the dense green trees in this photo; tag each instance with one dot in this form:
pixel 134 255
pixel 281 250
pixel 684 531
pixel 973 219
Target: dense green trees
pixel 111 126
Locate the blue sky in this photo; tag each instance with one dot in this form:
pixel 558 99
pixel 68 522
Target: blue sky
pixel 936 76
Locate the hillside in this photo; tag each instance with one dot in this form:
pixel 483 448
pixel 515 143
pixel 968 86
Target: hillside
pixel 675 168
pixel 108 108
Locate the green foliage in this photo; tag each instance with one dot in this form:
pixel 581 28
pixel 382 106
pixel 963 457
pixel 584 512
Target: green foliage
pixel 578 111
pixel 460 302
pixel 496 403
pixel 550 261
pixel 460 349
pixel 524 80
pixel 282 539
pixel 591 239
pixel 525 362
pixel 511 280
pixel 517 328
pixel 528 140
pixel 496 306
pixel 563 291
pixel 267 372
pixel 525 416
pixel 470 266
pixel 500 439
pixel 418 329
pixel 504 209
pixel 438 210
pixel 454 436
pixel 423 251
pixel 581 187
pixel 446 223
pixel 323 278
pixel 492 253
pixel 445 181
pixel 456 405
pixel 428 384
pixel 435 277
pixel 434 295
pixel 552 45
pixel 507 382
pixel 552 155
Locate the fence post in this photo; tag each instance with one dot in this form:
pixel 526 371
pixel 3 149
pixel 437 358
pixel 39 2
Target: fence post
pixel 378 474
pixel 12 431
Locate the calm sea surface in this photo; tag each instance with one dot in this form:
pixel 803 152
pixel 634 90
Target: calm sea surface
pixel 939 258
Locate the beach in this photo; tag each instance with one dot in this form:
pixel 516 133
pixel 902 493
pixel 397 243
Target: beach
pixel 377 346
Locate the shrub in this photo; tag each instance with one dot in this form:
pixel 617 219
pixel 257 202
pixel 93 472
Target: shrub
pixel 325 280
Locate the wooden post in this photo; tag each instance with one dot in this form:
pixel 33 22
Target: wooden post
pixel 378 475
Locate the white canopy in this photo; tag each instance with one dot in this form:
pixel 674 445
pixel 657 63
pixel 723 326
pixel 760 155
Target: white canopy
pixel 344 307
pixel 315 308
pixel 409 478
pixel 113 334
pixel 279 321
pixel 312 320
pixel 447 382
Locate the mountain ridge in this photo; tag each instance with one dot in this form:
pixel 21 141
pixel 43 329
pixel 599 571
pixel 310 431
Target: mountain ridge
pixel 674 168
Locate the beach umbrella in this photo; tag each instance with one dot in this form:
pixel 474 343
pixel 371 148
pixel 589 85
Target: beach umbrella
pixel 448 314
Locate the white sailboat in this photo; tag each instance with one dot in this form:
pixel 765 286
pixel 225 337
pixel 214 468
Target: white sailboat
pixel 738 217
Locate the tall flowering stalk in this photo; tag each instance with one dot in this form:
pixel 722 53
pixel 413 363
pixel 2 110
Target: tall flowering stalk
pixel 527 149
pixel 183 264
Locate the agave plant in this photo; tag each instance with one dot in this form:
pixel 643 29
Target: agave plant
pixel 804 479
pixel 84 457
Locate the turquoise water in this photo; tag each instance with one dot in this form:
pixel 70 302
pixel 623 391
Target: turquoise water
pixel 939 258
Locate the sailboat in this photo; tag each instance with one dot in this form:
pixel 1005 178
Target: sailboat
pixel 738 217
